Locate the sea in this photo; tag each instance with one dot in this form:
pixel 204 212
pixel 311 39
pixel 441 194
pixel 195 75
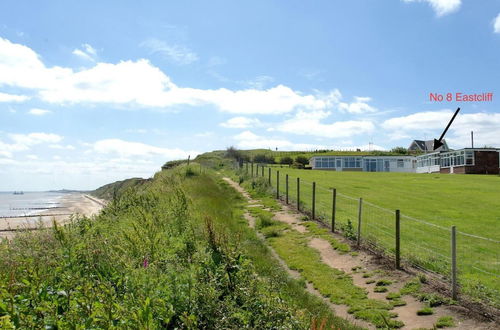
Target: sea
pixel 28 203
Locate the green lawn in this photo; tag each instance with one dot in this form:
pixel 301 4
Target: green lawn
pixel 470 202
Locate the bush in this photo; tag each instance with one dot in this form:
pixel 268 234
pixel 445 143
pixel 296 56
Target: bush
pixel 302 160
pixel 261 158
pixel 399 150
pixel 445 321
pixel 383 282
pixel 232 152
pixel 425 311
pixel 380 289
pixel 286 160
pixel 348 230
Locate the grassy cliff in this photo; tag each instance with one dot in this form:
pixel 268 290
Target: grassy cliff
pixel 116 189
pixel 172 252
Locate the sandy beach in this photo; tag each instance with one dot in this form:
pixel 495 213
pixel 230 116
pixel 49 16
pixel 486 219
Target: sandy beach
pixel 74 203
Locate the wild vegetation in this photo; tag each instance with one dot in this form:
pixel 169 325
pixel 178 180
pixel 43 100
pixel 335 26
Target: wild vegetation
pixel 173 252
pixel 114 190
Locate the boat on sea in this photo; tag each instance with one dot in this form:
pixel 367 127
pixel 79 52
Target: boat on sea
pixel 18 193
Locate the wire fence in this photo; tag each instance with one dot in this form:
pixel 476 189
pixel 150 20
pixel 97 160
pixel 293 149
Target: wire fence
pixel 470 263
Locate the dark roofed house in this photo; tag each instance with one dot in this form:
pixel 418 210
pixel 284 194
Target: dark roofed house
pixel 427 146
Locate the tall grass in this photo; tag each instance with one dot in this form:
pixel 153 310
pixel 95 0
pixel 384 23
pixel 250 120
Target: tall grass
pixel 170 253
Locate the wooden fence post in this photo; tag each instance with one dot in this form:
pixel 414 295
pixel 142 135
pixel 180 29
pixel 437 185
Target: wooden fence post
pixel 454 286
pixel 360 210
pixel 252 169
pixel 262 167
pixel 277 184
pixel 314 201
pixel 286 189
pixel 334 206
pixel 398 240
pixel 246 166
pixel 298 194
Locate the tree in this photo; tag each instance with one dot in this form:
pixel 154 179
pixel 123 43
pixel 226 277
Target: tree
pixel 400 150
pixel 286 160
pixel 302 160
pixel 261 158
pixel 232 152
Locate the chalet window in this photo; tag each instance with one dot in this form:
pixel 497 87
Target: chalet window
pixel 401 163
pixel 469 158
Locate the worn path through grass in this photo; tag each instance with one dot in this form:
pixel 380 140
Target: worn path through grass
pixel 351 281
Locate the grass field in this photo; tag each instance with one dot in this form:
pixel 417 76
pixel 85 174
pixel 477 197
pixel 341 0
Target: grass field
pixel 430 204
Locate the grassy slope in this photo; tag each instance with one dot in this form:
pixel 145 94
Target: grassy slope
pixel 265 264
pixel 173 252
pixel 471 202
pixel 110 190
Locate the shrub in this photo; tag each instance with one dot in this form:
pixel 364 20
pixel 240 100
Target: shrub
pixel 383 282
pixel 445 321
pixel 348 230
pixel 400 150
pixel 398 302
pixel 302 160
pixel 425 311
pixel 261 158
pixel 232 152
pixel 286 160
pixel 433 299
pixel 393 295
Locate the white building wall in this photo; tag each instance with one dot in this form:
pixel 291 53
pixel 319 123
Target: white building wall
pixel 428 169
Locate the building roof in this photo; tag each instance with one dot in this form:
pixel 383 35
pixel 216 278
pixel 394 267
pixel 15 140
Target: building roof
pixel 428 145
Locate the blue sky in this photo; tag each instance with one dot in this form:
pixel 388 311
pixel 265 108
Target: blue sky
pixel 96 91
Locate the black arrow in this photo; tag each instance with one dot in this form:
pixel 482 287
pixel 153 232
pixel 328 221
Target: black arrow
pixel 438 143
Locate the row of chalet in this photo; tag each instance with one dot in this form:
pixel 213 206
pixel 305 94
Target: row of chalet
pixel 441 160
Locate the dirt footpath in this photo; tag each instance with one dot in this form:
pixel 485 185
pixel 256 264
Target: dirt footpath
pixel 357 266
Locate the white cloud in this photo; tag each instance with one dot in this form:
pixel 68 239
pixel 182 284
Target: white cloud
pixel 62 147
pixel 137 149
pixel 31 139
pixel 5 153
pixel 260 82
pixel 39 112
pixel 23 142
pixel 32 156
pixel 496 24
pixel 249 140
pixel 360 105
pixel 142 84
pixel 432 123
pixel 89 49
pixel 21 67
pixel 13 98
pixel 441 7
pixel 241 122
pixel 88 53
pixel 421 121
pixel 309 123
pixel 176 53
